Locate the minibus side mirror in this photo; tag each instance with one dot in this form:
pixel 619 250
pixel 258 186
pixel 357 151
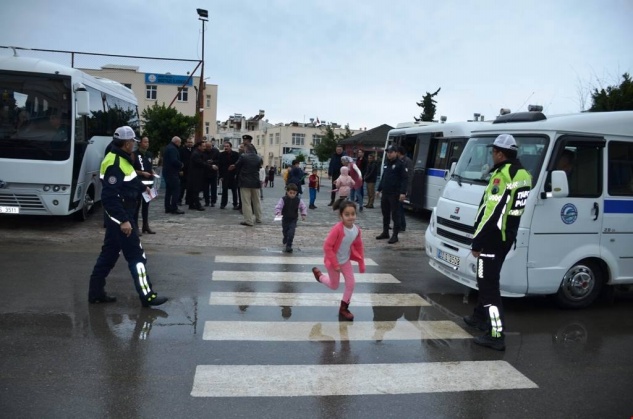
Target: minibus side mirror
pixel 82 101
pixel 450 171
pixel 560 187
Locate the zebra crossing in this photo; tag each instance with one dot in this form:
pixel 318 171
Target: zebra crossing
pixel 319 378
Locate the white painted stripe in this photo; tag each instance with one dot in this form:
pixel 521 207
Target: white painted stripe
pixel 355 379
pixel 332 331
pixel 295 277
pixel 281 260
pixel 314 299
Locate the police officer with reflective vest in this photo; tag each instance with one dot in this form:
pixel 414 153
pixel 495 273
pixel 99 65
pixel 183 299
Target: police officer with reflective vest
pixel 496 227
pixel 121 187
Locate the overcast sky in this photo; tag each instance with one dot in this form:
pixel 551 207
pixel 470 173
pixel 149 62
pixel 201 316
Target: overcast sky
pixel 362 62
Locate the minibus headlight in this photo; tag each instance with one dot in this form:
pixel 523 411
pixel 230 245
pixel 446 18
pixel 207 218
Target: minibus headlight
pixel 47 188
pixel 56 188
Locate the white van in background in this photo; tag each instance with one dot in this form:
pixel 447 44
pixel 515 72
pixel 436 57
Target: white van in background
pixel 576 234
pixel 432 148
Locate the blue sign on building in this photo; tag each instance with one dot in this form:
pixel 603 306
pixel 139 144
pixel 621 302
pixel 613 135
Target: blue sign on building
pixel 153 78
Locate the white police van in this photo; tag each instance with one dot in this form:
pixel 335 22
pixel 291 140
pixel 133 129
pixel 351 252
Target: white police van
pixel 576 234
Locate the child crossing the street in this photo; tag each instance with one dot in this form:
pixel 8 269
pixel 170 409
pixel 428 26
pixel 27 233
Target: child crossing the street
pixel 289 207
pixel 342 245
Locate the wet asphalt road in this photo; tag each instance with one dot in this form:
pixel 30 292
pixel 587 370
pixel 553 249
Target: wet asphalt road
pixel 61 357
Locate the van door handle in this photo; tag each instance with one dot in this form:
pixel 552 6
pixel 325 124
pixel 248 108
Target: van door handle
pixel 596 209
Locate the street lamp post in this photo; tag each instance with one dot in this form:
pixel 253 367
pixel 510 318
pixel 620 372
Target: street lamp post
pixel 203 15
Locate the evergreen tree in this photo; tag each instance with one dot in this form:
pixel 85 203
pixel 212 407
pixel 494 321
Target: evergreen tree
pixel 329 141
pixel 162 123
pixel 428 106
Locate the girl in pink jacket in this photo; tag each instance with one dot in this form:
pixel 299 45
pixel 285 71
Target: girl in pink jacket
pixel 343 245
pixel 344 185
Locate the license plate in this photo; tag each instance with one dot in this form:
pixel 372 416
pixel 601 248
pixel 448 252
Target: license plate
pixel 447 257
pixel 9 210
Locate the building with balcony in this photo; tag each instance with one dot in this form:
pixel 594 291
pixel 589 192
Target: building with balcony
pixel 276 143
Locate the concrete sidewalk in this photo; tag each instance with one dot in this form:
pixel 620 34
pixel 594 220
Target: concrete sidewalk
pixel 219 228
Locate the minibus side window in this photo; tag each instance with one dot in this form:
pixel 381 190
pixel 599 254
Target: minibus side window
pixel 620 169
pixel 585 179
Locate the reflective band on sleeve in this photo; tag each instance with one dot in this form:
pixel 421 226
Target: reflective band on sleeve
pixel 113 219
pixel 129 177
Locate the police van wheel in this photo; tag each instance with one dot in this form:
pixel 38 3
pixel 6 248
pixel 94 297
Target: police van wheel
pixel 580 286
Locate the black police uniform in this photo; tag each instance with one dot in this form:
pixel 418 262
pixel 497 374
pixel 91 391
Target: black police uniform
pixel 393 183
pixel 121 187
pixel 143 162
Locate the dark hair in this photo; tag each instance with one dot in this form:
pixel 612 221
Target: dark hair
pixel 295 162
pixel 292 187
pixel 400 149
pixel 346 203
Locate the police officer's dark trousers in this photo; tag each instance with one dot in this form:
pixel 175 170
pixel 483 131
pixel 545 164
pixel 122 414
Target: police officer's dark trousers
pixel 390 205
pixel 114 242
pixel 489 266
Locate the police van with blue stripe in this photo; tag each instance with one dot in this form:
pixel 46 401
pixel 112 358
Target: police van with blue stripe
pixel 576 234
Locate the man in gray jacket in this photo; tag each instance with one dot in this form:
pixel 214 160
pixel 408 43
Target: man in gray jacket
pixel 247 167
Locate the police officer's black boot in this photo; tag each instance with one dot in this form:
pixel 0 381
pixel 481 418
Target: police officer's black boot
pixel 383 235
pixel 154 300
pixel 394 237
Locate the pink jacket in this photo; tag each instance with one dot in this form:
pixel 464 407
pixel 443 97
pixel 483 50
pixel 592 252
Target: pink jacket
pixel 344 183
pixel 333 242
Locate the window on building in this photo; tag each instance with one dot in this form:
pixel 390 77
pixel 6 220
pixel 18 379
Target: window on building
pixel 258 140
pixel 208 101
pixel 183 94
pixel 150 92
pixel 298 139
pixel 316 139
pixel 128 85
pixel 270 137
pixel 207 126
pixel 277 137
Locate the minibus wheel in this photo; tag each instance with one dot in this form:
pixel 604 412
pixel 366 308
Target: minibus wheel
pixel 88 204
pixel 580 286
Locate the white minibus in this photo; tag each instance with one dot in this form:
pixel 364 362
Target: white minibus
pixel 55 123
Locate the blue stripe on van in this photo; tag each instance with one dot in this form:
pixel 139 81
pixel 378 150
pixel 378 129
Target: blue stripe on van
pixel 613 206
pixel 435 172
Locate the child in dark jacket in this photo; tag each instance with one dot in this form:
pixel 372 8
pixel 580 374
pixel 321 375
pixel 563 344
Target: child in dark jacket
pixel 289 208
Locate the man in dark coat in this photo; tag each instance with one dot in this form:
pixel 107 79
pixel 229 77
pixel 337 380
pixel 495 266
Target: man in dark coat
pixel 196 177
pixel 185 158
pixel 334 170
pixel 211 178
pixel 227 158
pixel 172 167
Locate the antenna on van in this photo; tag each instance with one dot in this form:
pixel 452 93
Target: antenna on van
pixel 526 101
